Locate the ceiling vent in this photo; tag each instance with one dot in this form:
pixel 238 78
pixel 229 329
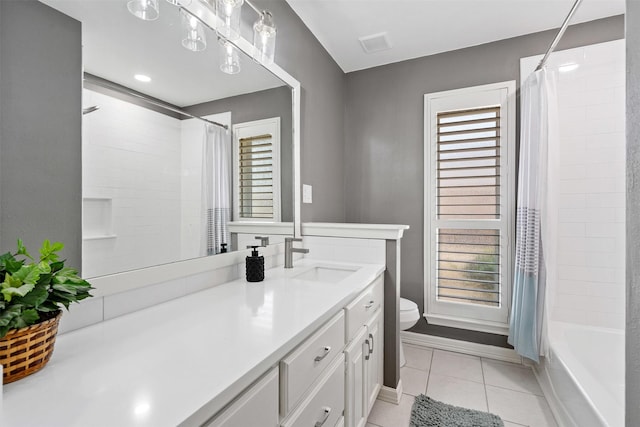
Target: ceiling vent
pixel 375 42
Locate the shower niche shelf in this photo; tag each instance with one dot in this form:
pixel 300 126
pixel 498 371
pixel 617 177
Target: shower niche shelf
pixel 97 218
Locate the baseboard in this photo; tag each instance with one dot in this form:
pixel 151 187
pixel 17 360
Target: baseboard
pixel 472 348
pixel 391 395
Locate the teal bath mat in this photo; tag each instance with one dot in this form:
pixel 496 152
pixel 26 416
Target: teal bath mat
pixel 427 412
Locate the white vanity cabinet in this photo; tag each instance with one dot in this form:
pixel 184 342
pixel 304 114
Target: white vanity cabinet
pixel 364 356
pixel 322 382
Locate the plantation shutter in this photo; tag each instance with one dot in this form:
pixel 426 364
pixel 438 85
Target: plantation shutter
pixel 256 187
pixel 468 188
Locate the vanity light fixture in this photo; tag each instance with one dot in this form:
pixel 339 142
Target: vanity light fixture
pixel 229 13
pixel 147 10
pixel 142 78
pixel 264 38
pixel 194 36
pixel 229 58
pixel 228 30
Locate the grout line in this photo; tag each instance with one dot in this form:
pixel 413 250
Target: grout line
pixel 484 384
pixel 426 387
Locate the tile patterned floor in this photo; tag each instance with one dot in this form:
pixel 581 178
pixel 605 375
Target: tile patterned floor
pixel 505 389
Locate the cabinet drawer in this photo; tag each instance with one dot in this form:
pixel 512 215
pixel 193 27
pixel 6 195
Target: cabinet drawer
pixel 302 367
pixel 363 307
pixel 256 407
pixel 324 405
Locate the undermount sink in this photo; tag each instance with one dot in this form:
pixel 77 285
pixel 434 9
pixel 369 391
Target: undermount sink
pixel 331 274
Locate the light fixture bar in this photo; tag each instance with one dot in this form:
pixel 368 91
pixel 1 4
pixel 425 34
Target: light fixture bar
pixel 253 6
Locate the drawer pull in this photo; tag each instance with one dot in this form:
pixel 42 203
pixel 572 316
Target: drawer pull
pixel 372 343
pixel 325 417
pixel 368 306
pixel 366 356
pixel 327 350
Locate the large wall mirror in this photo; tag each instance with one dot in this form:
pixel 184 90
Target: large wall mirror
pixel 160 184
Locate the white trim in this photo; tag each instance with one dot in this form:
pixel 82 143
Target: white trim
pixel 470 324
pixel 391 395
pixel 248 129
pixel 472 348
pixel 362 231
pixel 470 314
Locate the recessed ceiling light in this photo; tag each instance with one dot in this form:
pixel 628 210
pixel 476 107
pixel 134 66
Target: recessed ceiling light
pixel 142 78
pixel 565 68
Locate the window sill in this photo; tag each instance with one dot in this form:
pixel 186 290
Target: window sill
pixel 469 324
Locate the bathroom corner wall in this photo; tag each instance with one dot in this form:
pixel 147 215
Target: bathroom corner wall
pixel 40 127
pixel 633 214
pixel 384 137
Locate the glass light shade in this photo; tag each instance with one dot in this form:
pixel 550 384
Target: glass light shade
pixel 194 38
pixel 147 10
pixel 229 58
pixel 264 38
pixel 229 13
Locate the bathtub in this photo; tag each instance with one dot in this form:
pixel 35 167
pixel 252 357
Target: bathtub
pixel 583 377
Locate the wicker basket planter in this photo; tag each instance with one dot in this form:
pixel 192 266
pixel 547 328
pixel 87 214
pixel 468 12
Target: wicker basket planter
pixel 26 350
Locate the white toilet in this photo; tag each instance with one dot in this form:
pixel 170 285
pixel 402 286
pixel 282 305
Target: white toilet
pixel 409 316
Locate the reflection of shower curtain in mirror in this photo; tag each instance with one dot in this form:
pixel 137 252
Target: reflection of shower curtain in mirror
pixel 216 190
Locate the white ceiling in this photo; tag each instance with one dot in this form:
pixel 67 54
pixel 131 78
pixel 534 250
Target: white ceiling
pixel 117 45
pixel 425 27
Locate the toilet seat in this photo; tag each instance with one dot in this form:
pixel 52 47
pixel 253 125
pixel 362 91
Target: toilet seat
pixel 409 314
pixel 407 305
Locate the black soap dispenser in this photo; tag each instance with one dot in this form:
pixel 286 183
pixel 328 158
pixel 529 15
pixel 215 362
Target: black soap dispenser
pixel 255 266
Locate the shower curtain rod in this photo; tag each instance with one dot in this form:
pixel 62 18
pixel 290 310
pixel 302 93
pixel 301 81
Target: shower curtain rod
pixel 555 41
pixel 112 86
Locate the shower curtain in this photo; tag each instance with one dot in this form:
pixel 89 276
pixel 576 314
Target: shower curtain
pixel 216 190
pixel 536 221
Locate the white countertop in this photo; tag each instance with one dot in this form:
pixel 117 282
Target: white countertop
pixel 181 361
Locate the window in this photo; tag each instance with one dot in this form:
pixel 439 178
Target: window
pixel 256 166
pixel 469 206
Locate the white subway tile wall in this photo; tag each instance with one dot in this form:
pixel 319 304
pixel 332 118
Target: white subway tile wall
pixel 591 251
pixel 591 229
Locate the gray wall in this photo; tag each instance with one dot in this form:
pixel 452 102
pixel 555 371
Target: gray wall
pixel 323 87
pixel 633 213
pixel 384 136
pixel 40 128
pixel 256 106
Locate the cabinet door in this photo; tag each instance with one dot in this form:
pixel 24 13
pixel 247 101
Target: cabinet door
pixel 256 407
pixel 355 391
pixel 373 359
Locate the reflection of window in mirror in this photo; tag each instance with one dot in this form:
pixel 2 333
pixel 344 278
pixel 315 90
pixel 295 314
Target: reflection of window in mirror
pixel 256 170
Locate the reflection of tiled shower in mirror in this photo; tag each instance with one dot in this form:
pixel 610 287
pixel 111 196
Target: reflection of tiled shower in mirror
pixel 141 186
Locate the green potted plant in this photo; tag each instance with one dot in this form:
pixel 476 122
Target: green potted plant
pixel 32 294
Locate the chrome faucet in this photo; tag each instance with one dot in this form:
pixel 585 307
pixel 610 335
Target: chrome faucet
pixel 264 240
pixel 289 250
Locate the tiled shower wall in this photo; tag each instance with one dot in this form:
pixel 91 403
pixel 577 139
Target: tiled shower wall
pixel 590 286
